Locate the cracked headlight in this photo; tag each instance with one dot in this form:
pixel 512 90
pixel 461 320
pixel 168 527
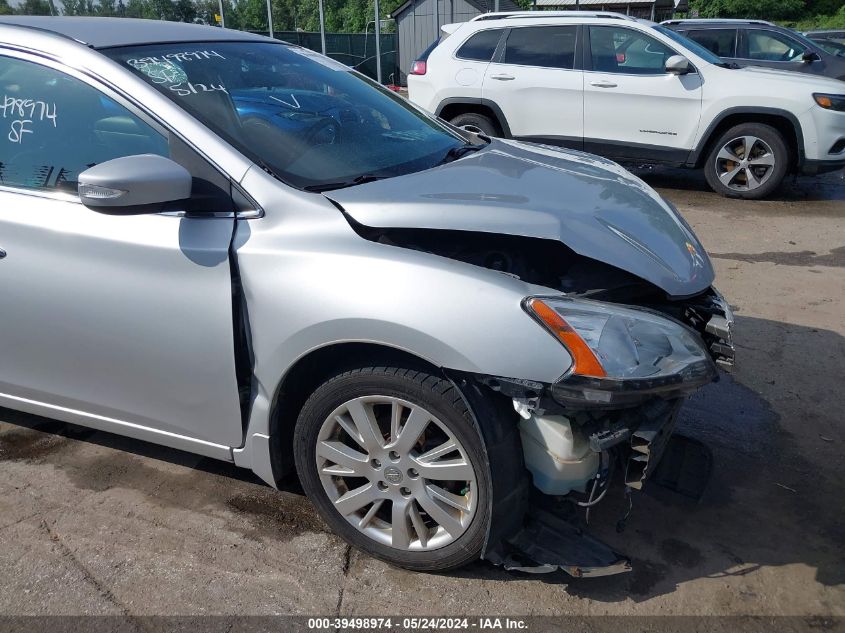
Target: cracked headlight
pixel 621 355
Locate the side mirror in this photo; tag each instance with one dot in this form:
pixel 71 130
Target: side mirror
pixel 678 65
pixel 133 185
pixel 810 56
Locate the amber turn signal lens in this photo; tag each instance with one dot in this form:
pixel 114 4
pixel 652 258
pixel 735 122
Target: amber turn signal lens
pixel 824 101
pixel 586 363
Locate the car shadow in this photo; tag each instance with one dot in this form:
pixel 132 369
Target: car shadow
pixel 774 499
pixel 829 186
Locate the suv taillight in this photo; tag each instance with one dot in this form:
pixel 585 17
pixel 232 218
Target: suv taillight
pixel 419 68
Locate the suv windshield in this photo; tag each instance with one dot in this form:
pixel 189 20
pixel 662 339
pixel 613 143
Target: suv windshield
pixel 312 121
pixel 686 42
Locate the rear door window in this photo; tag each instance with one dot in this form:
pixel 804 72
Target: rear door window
pixel 481 46
pixel 544 46
pixel 721 42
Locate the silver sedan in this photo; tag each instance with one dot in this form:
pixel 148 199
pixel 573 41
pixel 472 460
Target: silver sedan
pixel 236 247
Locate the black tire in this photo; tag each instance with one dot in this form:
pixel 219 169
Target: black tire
pixel 474 122
pixel 440 398
pixel 779 149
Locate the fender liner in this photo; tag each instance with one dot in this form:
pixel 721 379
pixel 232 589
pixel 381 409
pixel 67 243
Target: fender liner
pixel 497 424
pixel 696 154
pixel 500 116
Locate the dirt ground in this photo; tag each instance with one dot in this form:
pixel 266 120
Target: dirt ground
pixel 91 523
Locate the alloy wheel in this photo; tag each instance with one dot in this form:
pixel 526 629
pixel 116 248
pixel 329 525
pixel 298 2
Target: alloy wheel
pixel 396 473
pixel 473 129
pixel 745 163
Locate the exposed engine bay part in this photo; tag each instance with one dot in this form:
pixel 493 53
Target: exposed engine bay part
pixel 557 455
pixel 647 445
pixel 571 457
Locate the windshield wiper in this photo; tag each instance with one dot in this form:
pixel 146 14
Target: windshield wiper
pixel 358 180
pixel 456 152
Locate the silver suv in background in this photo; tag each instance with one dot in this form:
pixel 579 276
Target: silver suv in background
pixel 237 247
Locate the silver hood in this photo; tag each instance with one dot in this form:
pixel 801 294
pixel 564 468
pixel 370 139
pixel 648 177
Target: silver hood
pixel 592 205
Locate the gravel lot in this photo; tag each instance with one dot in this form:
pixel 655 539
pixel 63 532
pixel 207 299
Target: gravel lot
pixel 91 523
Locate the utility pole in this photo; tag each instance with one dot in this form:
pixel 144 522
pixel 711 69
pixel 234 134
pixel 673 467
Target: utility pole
pixel 222 17
pixel 270 18
pixel 322 28
pixel 378 43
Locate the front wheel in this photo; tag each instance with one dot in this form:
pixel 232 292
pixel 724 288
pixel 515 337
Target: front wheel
pixel 748 161
pixel 477 124
pixel 393 462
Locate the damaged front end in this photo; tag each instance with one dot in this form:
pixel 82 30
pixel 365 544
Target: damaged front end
pixel 622 283
pixel 614 410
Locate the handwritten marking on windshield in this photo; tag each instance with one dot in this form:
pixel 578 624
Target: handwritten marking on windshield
pixel 186 89
pixel 23 113
pixel 163 69
pixel 185 56
pixel 294 105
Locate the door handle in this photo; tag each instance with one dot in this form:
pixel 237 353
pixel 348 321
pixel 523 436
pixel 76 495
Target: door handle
pixel 2 253
pixel 503 77
pixel 603 84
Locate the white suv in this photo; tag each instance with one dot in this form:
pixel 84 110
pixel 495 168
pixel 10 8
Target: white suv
pixel 633 91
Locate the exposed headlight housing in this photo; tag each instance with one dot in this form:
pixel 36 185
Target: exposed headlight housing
pixel 621 355
pixel 830 102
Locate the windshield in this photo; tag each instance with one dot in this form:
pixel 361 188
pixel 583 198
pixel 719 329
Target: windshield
pixel 310 120
pixel 832 47
pixel 687 43
pixel 806 41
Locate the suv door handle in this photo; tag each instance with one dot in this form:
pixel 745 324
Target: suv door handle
pixel 603 84
pixel 503 77
pixel 2 253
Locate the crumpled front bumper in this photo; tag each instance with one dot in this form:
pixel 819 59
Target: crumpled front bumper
pixel 535 532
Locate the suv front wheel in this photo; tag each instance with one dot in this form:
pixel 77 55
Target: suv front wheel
pixel 476 123
pixel 748 161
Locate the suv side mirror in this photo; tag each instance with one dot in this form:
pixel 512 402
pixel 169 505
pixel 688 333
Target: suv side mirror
pixel 810 56
pixel 678 65
pixel 133 185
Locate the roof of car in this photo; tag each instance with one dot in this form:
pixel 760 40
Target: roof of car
pixel 545 15
pixel 715 21
pixel 111 32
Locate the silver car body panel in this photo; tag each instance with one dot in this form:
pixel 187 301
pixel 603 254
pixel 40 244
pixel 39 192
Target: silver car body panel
pixel 310 281
pixel 118 321
pixel 592 205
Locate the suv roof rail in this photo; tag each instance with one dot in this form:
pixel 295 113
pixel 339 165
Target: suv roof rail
pixel 716 21
pixel 609 15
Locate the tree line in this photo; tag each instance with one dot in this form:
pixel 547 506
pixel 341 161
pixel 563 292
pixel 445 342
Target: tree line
pixel 341 16
pixel 356 16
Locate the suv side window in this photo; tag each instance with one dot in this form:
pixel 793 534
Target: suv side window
pixel 481 46
pixel 546 46
pixel 771 46
pixel 53 126
pixel 620 50
pixel 721 42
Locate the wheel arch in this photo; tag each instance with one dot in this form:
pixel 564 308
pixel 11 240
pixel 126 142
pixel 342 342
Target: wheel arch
pixel 783 121
pixel 454 106
pixel 310 371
